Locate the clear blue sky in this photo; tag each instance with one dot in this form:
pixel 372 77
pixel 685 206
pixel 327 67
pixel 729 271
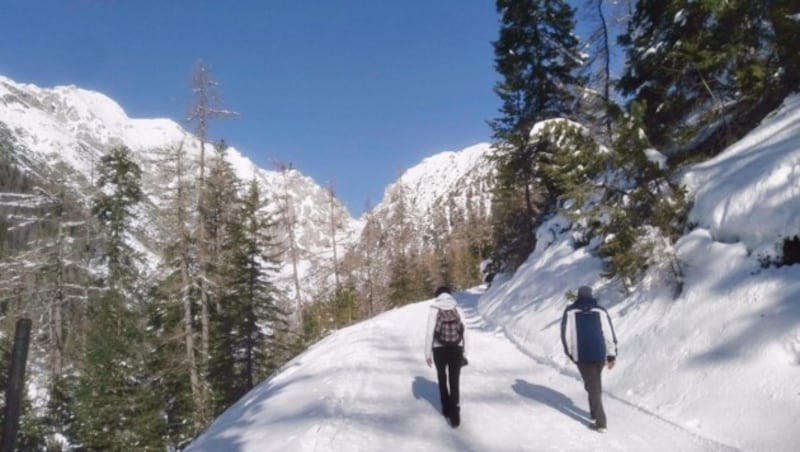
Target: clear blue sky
pixel 352 92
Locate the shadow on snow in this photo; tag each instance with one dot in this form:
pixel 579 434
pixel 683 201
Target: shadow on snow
pixel 552 398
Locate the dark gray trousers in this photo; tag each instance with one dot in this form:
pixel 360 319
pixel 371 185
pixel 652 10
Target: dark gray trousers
pixel 593 383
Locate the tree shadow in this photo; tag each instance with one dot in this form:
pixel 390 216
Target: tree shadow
pixel 775 320
pixel 217 436
pixel 422 388
pixel 554 399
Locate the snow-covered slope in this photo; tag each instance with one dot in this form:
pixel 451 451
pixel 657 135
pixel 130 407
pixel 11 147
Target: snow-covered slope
pixel 70 127
pixel 428 185
pixel 714 369
pixel 355 392
pixel 429 196
pixel 751 192
pixel 443 174
pixel 722 359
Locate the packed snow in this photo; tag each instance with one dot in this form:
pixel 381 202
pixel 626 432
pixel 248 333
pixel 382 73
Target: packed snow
pixel 713 368
pixel 368 388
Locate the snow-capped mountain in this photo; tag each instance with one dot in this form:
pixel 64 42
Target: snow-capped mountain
pixel 445 185
pixel 62 132
pixel 456 174
pixel 53 140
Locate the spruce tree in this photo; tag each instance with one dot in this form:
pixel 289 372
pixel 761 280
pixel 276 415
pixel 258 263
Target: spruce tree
pixel 115 408
pixel 569 159
pixel 708 71
pixel 119 193
pixel 640 204
pixel 537 58
pixel 248 318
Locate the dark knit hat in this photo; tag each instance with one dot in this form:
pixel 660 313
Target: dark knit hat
pixel 584 292
pixel 440 290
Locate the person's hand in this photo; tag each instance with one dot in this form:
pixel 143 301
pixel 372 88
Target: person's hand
pixel 610 364
pixel 429 361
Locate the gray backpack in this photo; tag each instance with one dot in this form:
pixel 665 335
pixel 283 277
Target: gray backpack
pixel 449 328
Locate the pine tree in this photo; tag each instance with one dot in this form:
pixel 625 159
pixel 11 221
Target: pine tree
pixel 114 405
pixel 707 71
pixel 568 159
pixel 537 58
pixel 248 305
pixel 640 205
pixel 407 278
pixel 220 197
pixel 120 192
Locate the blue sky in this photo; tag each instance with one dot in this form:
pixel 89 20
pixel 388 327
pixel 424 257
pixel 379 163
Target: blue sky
pixel 351 92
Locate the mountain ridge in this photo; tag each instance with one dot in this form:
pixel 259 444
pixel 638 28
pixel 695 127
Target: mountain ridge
pixel 67 126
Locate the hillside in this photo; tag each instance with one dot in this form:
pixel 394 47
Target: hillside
pixel 714 368
pixel 52 261
pixel 60 134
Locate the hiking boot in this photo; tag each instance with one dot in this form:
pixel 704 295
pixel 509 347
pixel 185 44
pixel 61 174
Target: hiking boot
pixel 455 418
pixel 455 421
pixel 598 428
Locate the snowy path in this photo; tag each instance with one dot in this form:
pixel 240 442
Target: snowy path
pixel 507 395
pixel 367 388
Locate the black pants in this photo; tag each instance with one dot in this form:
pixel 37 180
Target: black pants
pixel 593 383
pixel 448 370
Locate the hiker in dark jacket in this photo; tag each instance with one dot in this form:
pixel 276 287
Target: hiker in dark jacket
pixel 448 357
pixel 589 341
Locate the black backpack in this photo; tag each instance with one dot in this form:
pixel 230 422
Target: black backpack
pixel 449 328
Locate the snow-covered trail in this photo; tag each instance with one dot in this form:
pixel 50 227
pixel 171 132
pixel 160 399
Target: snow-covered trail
pixel 367 388
pixel 507 395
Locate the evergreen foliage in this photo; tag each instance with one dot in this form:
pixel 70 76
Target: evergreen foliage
pixel 409 280
pixel 61 416
pixel 708 71
pixel 114 398
pixel 169 382
pixel 568 159
pixel 513 230
pixel 537 58
pixel 114 404
pixel 120 191
pixel 640 203
pixel 127 361
pixel 175 294
pixel 248 311
pixel 326 315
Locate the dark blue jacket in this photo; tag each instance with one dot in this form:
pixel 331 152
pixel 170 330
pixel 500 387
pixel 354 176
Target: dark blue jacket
pixel 587 333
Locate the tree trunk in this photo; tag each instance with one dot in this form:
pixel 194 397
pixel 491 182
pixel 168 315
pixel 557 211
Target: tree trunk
pixel 332 205
pixel 292 249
